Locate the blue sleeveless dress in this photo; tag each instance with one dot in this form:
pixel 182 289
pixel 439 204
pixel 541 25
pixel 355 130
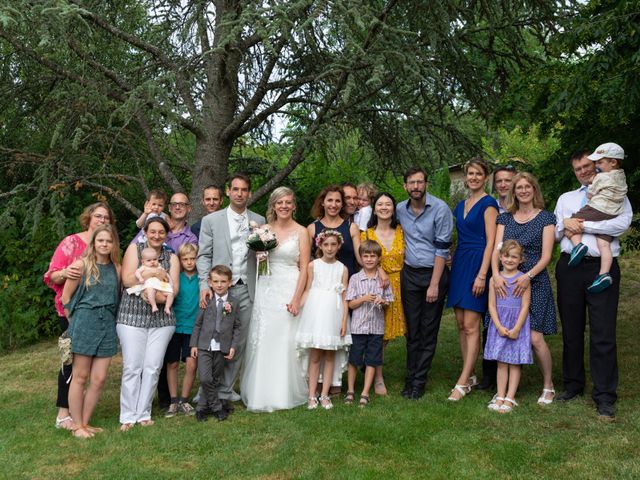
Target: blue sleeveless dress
pixel 467 258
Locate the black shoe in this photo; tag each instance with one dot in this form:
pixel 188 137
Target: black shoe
pixel 568 396
pixel 416 393
pixel 485 384
pixel 406 391
pixel 606 412
pixel 228 406
pixel 221 415
pixel 201 415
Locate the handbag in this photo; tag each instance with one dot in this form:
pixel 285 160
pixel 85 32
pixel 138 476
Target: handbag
pixel 64 347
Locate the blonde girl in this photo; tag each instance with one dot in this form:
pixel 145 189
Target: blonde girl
pixel 509 337
pixel 90 304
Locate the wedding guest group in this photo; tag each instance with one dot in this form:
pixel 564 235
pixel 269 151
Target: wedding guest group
pixel 275 323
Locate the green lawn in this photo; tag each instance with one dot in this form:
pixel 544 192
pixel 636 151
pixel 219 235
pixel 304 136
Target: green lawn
pixel 392 438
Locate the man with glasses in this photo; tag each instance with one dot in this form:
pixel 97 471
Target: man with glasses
pixel 179 209
pixel 574 301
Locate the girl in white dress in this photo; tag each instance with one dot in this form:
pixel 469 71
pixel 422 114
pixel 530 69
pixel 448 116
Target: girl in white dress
pixel 323 322
pixel 273 378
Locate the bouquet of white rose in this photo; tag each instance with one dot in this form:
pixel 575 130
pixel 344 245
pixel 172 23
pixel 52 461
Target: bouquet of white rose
pixel 261 240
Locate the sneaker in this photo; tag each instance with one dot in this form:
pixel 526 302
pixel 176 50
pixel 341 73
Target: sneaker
pixel 186 409
pixel 577 254
pixel 171 411
pixel 601 283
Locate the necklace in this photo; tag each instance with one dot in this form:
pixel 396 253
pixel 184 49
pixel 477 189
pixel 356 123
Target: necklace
pixel 528 217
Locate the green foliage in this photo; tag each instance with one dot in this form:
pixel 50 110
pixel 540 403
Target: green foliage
pixel 26 303
pixel 440 184
pixel 530 150
pixel 587 89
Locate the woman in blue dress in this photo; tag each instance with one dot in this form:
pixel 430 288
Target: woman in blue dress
pixel 533 227
pixel 476 226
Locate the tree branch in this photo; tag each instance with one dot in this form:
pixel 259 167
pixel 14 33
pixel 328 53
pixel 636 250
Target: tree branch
pixel 164 169
pixel 181 82
pixel 298 154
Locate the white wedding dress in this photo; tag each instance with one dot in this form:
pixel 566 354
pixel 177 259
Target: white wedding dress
pixel 273 378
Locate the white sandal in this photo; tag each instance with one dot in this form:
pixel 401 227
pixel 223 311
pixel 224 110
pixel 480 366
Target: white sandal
pixel 325 402
pixel 493 404
pixel 543 400
pixel 504 408
pixel 473 381
pixel 312 403
pixel 62 423
pixel 462 390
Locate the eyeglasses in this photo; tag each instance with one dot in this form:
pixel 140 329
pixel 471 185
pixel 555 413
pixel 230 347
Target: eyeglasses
pixel 104 218
pixel 178 205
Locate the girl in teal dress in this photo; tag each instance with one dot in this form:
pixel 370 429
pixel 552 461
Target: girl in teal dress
pixel 90 304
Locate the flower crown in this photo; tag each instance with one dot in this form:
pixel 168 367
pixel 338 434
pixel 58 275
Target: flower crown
pixel 328 232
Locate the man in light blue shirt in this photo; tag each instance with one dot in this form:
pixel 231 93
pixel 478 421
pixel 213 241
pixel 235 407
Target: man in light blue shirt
pixel 427 223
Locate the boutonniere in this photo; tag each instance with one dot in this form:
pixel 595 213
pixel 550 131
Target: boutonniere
pixel 226 308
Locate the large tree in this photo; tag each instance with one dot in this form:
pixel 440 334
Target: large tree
pixel 587 91
pixel 107 94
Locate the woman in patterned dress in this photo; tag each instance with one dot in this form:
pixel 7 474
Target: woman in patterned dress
pixel 533 227
pixel 387 232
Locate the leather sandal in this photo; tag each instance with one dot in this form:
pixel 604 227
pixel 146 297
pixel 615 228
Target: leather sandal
pixel 364 401
pixel 349 398
pixel 80 431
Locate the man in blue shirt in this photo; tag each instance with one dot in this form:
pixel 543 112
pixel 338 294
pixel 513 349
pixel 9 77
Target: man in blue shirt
pixel 427 223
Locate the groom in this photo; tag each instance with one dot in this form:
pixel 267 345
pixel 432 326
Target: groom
pixel 222 242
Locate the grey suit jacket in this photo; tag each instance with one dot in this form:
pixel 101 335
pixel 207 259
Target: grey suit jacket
pixel 215 248
pixel 206 323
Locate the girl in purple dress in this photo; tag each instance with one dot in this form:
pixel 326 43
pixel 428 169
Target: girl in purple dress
pixel 509 339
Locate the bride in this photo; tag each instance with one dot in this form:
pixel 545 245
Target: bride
pixel 273 378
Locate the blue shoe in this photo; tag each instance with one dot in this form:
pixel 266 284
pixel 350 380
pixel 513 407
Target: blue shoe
pixel 577 254
pixel 601 283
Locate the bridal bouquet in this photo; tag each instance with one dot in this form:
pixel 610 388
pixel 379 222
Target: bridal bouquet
pixel 261 240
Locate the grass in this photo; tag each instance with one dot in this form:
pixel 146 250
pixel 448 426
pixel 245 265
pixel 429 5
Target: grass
pixel 392 438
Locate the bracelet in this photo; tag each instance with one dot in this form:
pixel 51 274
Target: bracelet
pixel 481 278
pixel 529 275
